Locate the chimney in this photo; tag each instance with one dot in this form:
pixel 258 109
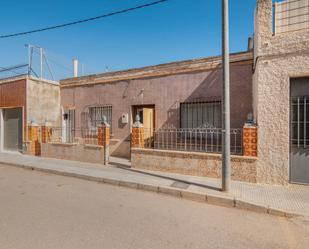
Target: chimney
pixel 250 43
pixel 75 68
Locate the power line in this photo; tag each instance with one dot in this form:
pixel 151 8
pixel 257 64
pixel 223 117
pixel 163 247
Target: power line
pixel 3 69
pixel 54 61
pixel 12 70
pixel 84 20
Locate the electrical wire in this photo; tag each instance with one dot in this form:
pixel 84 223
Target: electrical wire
pixel 83 20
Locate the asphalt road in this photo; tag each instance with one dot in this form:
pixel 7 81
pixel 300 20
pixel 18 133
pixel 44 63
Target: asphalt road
pixel 39 210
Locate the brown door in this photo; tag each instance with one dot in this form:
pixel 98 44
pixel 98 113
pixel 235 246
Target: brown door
pixel 148 122
pixel 147 118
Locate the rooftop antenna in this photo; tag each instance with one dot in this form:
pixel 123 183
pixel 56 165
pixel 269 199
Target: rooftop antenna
pixel 43 58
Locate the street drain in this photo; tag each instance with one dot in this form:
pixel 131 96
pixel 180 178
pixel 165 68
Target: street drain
pixel 180 185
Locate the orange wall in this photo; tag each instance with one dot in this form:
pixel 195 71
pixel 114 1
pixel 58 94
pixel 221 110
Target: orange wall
pixel 13 94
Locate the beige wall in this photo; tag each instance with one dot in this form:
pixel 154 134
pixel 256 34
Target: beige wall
pixel 43 102
pixel 278 59
pixel 74 152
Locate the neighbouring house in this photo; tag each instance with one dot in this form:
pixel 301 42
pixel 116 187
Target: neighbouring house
pixel 281 91
pixel 25 99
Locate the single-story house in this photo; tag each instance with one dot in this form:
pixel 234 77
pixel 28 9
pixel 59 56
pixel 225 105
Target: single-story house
pixel 185 94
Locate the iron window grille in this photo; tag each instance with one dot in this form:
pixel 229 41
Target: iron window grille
pixel 200 115
pixel 96 115
pixel 300 122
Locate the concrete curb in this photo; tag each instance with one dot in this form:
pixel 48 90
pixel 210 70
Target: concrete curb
pixel 225 201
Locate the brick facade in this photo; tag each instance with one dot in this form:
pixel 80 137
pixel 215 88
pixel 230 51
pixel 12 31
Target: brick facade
pixel 137 137
pixel 34 147
pixel 250 137
pixel 46 133
pixel 103 136
pixel 12 95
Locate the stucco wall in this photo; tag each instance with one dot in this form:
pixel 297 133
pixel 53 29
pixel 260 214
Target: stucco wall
pixel 166 93
pixel 273 77
pixel 43 102
pixel 198 164
pixel 74 152
pixel 278 59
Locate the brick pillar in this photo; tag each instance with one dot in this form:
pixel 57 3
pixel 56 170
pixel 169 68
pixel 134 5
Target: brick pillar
pixel 104 138
pixel 46 133
pixel 250 136
pixel 138 134
pixel 34 143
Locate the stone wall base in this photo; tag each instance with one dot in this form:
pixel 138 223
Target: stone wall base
pixel 74 152
pixel 193 163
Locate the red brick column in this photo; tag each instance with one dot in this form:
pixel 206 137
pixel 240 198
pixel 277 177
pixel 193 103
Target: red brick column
pixel 103 135
pixel 34 143
pixel 46 133
pixel 138 134
pixel 104 138
pixel 250 136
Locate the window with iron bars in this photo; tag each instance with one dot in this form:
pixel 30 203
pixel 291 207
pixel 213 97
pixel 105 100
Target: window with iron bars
pixel 96 115
pixel 200 115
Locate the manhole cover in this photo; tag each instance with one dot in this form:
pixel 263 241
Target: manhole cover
pixel 181 185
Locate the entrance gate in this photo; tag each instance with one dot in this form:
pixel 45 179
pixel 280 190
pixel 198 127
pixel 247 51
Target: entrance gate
pixel 299 131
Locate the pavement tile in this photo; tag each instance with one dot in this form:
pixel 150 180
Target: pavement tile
pixel 282 199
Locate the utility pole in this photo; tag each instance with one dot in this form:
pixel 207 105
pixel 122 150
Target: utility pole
pixel 226 145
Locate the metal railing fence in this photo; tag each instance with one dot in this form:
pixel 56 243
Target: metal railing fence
pixel 291 15
pixel 207 140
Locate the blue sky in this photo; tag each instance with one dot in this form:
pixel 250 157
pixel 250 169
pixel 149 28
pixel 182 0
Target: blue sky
pixel 172 31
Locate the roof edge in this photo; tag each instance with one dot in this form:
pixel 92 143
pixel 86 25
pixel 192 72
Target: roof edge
pixel 172 68
pixel 27 77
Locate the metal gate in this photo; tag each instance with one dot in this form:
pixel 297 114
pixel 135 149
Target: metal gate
pixel 70 126
pixel 299 140
pixel 12 129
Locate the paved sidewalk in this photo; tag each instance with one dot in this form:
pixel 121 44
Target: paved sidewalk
pixel 277 200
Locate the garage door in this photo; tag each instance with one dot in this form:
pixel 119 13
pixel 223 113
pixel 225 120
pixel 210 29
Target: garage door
pixel 12 129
